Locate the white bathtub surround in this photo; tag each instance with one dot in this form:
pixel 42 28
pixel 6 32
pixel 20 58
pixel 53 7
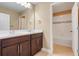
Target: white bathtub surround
pixel 62 30
pixel 14 33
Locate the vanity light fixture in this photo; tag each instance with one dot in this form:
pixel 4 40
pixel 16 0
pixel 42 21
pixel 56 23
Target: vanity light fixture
pixel 25 4
pixel 28 5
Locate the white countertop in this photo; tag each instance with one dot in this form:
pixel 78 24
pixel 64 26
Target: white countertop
pixel 14 33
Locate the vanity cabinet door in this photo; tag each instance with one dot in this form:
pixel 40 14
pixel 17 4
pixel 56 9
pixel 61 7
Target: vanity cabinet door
pixel 0 47
pixel 36 43
pixel 25 48
pixel 10 50
pixel 33 46
pixel 39 43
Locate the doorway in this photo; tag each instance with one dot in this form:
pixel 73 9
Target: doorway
pixel 62 29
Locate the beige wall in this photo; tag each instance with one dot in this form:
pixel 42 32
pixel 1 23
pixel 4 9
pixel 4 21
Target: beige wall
pixel 29 18
pixel 13 17
pixel 42 17
pixel 42 21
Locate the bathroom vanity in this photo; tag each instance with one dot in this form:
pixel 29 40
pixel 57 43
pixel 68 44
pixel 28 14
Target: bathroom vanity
pixel 21 45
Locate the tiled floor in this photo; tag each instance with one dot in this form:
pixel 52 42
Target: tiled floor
pixel 58 51
pixel 41 53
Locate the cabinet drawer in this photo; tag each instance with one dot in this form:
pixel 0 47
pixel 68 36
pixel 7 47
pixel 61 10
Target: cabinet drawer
pixel 9 41
pixel 24 38
pixel 36 35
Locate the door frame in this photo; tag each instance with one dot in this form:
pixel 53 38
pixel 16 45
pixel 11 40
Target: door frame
pixel 75 30
pixel 51 27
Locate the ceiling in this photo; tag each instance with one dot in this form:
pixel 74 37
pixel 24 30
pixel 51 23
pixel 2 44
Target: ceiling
pixel 18 8
pixel 62 6
pixel 14 6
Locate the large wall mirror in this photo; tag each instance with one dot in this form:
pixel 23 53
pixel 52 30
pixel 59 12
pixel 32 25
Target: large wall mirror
pixel 17 16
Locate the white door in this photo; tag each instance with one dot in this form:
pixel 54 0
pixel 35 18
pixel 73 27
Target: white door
pixel 75 28
pixel 4 21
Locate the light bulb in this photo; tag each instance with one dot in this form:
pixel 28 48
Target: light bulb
pixel 23 3
pixel 28 5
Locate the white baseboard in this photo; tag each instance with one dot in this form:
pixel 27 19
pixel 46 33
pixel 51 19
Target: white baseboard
pixel 75 52
pixel 46 50
pixel 67 43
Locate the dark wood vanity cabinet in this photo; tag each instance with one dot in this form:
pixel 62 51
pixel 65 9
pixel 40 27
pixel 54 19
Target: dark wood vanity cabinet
pixel 24 45
pixel 17 46
pixel 36 43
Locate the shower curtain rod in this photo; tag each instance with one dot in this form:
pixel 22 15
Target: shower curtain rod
pixel 62 22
